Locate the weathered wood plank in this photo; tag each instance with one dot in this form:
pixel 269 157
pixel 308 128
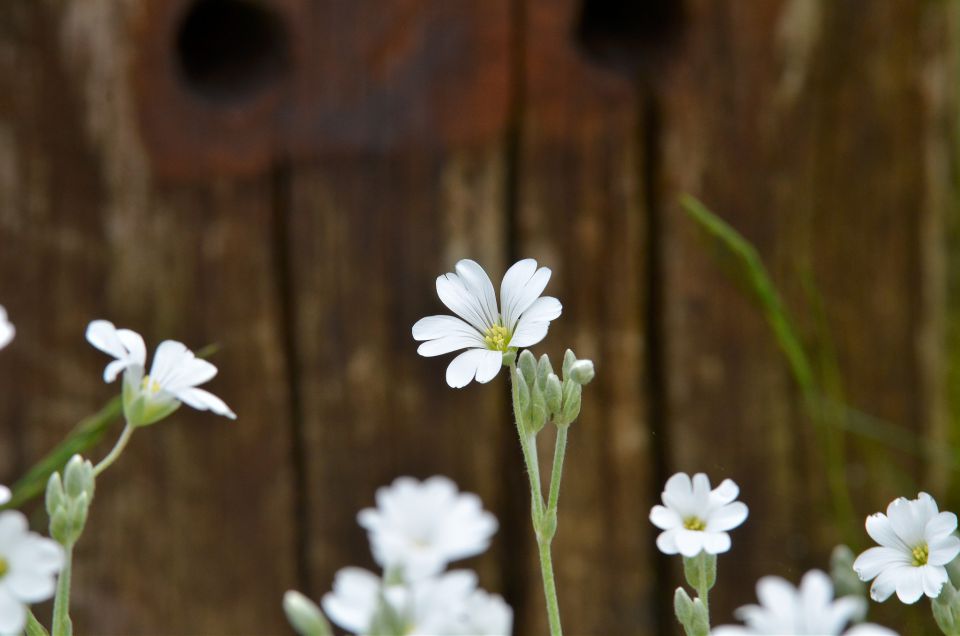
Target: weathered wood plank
pixel 800 123
pixel 86 233
pixel 581 212
pixel 373 222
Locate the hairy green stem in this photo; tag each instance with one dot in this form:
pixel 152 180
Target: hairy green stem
pixel 62 626
pixel 115 451
pixel 540 516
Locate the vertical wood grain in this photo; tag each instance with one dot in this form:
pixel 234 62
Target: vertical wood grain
pixel 580 211
pixel 176 535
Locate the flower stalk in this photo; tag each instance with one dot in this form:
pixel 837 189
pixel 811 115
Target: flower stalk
pixel 62 625
pixel 114 453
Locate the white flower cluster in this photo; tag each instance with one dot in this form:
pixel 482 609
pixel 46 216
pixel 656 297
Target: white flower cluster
pixel 695 518
pixel 415 531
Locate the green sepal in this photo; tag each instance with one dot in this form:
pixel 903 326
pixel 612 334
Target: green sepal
pixel 538 409
pixel 55 494
pixel 528 366
pixel 544 369
pixel 553 392
pixel 304 615
pixel 946 610
pixel 34 627
pixel 701 570
pixel 682 607
pixel 845 580
pixel 523 398
pixel 700 621
pixel 78 477
pixel 509 357
pixel 144 411
pixel 570 409
pixel 568 359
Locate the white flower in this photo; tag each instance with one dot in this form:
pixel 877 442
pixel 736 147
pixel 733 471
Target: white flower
pixel 28 563
pixel 173 378
pixel 481 328
pixel 916 542
pixel 6 329
pixel 419 527
pixel 694 518
pixel 448 604
pixel 4 495
pixel 809 610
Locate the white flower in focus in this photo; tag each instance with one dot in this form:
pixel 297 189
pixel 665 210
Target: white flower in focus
pixel 362 604
pixel 173 378
pixel 4 495
pixel 420 527
pixel 695 518
pixel 916 542
pixel 28 565
pixel 808 610
pixel 6 329
pixel 482 328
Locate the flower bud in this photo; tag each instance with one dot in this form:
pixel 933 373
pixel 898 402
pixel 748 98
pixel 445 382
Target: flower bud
pixel 538 409
pixel 304 616
pixel 568 359
pixel 582 372
pixel 523 392
pixel 543 370
pixel 528 366
pixel 55 494
pixel 700 621
pixel 78 477
pixel 570 409
pixel 682 606
pixel 553 392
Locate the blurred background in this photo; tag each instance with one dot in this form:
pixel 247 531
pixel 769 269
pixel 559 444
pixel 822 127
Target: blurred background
pixel 286 178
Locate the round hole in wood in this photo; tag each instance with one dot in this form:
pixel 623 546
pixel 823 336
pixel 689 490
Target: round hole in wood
pixel 230 50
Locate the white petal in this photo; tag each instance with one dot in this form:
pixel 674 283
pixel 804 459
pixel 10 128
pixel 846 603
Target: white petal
pixel 716 542
pixel 13 528
pixel 37 553
pixel 7 330
pixel 4 495
pixel 731 630
pixel 910 585
pixel 932 578
pixel 665 518
pixel 875 560
pixel 447 344
pixel 728 517
pixel 353 601
pixel 102 334
pixel 175 367
pixel 944 550
pixel 667 542
pixel 776 593
pixel 522 284
pixel 30 586
pixel 869 629
pixel 133 343
pixel 534 323
pixel 816 592
pixel 204 401
pixel 879 528
pixel 689 542
pixel 458 299
pixel 940 524
pixel 13 613
pixel 904 516
pixel 465 366
pixel 725 493
pixel 478 283
pixel 433 327
pixel 886 582
pixel 489 366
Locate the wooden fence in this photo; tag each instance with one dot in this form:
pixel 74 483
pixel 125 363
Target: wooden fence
pixel 291 190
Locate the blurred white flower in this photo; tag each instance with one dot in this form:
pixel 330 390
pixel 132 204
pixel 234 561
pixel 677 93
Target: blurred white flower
pixel 173 378
pixel 808 610
pixel 916 542
pixel 4 495
pixel 694 518
pixel 6 329
pixel 482 328
pixel 28 565
pixel 418 527
pixel 447 604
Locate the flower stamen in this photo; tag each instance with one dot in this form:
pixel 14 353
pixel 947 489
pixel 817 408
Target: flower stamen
pixel 497 338
pixel 921 554
pixel 151 385
pixel 4 567
pixel 694 523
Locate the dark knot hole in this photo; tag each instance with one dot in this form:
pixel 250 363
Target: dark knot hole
pixel 230 50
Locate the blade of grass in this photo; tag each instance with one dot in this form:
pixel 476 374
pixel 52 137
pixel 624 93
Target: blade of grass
pixel 753 273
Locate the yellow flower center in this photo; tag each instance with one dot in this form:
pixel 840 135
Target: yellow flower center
pixel 497 338
pixel 4 567
pixel 694 523
pixel 149 384
pixel 921 554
